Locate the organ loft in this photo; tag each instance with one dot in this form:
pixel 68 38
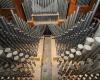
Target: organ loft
pixel 49 39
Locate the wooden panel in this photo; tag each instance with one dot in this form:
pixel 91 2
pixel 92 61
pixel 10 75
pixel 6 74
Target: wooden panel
pixel 83 8
pixel 6 13
pixel 72 6
pixel 91 3
pixel 19 9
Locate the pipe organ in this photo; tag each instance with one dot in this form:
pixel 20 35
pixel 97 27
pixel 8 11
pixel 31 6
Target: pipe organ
pixel 70 52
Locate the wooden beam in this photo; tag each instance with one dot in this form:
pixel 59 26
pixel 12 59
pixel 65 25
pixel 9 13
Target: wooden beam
pixel 57 22
pixel 56 14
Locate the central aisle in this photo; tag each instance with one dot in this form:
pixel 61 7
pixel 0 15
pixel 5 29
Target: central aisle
pixel 46 60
